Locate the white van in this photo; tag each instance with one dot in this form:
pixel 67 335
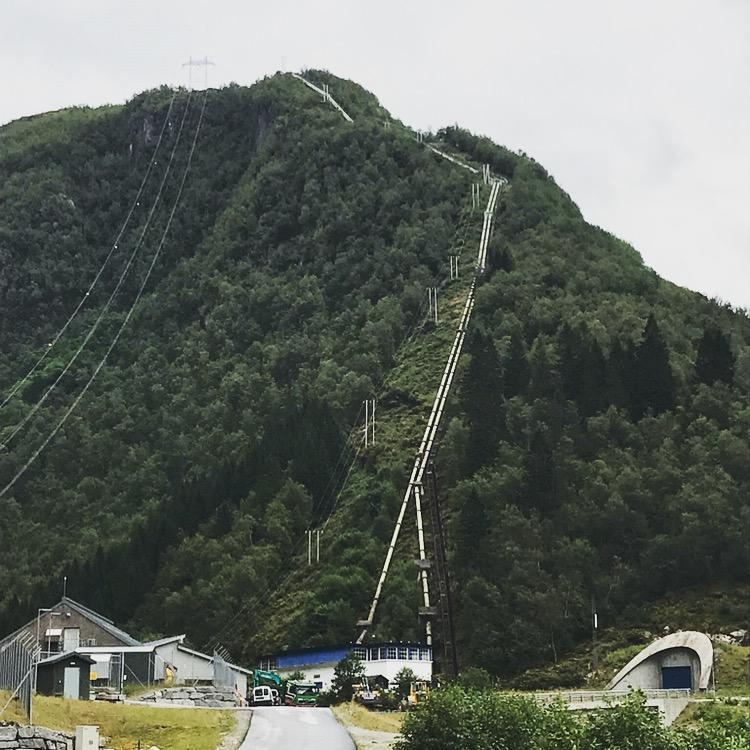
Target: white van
pixel 262 696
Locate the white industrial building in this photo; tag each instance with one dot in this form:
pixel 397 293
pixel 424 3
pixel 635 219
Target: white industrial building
pixel 166 661
pixel 384 660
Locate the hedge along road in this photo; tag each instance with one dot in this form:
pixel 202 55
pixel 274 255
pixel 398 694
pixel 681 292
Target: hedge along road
pixel 290 728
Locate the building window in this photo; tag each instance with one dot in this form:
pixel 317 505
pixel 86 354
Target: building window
pixel 424 654
pixel 360 653
pixel 403 653
pixel 413 654
pixel 392 652
pixel 374 654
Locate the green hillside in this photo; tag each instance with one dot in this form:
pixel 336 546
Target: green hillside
pixel 596 442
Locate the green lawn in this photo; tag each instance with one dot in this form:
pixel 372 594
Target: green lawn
pixel 126 724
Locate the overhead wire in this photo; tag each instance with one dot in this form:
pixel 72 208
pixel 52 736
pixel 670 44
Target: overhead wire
pixel 261 596
pixel 129 314
pixel 136 249
pixel 136 202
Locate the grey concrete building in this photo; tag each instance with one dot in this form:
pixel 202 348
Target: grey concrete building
pixel 682 660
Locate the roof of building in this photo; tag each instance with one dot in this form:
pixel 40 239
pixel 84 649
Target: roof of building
pixel 62 656
pixel 321 655
pixel 103 622
pixel 141 648
pixel 692 640
pixel 201 655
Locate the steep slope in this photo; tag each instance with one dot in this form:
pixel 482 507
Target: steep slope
pixel 597 445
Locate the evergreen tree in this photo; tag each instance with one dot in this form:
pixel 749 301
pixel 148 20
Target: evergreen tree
pixel 654 383
pixel 619 377
pixel 472 527
pixel 483 401
pixel 715 360
pixel 541 488
pixel 516 370
pixel 592 393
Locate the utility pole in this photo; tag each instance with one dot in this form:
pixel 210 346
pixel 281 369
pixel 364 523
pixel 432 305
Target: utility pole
pixel 486 173
pixel 454 266
pixel 594 632
pixel 432 301
pixel 475 194
pixel 190 64
pixel 317 545
pixel 309 547
pixel 369 422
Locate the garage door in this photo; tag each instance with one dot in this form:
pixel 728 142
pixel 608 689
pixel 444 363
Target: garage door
pixel 676 677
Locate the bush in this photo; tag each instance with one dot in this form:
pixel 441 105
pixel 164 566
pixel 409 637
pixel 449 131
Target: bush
pixel 453 718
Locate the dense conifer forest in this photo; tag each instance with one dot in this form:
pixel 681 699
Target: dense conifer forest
pixel 596 443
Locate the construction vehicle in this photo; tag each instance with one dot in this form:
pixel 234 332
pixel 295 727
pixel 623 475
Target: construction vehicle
pixel 365 695
pixel 418 692
pixel 301 693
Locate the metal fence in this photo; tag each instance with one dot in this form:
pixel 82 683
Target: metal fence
pixel 223 673
pixel 17 662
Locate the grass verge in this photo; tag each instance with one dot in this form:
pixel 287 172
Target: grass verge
pixel 352 714
pixel 125 725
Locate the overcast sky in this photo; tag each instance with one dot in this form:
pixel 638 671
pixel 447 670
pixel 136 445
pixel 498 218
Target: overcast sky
pixel 639 108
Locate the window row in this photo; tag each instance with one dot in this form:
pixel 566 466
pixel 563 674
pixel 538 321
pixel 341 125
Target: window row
pixel 404 653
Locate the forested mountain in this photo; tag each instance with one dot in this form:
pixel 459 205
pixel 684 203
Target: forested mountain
pixel 596 442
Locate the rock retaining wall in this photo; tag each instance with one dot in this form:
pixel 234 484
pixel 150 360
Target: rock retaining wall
pixel 33 738
pixel 203 695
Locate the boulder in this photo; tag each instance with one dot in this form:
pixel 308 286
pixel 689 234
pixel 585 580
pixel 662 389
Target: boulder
pixel 741 637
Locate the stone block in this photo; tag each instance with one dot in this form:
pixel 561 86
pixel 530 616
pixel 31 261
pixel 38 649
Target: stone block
pixel 25 732
pixel 8 744
pixel 49 734
pixel 8 733
pixel 35 743
pixel 215 704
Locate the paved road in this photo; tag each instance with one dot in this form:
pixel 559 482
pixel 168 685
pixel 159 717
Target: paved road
pixel 287 728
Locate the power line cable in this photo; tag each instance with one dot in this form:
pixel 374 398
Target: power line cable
pixel 115 244
pixel 124 323
pixel 112 296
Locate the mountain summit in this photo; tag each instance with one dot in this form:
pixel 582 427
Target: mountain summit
pixel 199 290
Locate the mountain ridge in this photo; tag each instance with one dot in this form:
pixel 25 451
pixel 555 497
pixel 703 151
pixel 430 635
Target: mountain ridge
pixel 292 278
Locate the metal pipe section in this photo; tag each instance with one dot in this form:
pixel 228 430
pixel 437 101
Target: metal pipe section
pixel 425 447
pixel 325 94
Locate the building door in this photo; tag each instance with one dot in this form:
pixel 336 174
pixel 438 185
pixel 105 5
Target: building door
pixel 676 678
pixel 71 639
pixel 72 683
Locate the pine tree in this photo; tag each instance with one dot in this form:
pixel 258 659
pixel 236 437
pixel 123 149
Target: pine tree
pixel 654 383
pixel 619 379
pixel 516 370
pixel 715 360
pixel 541 490
pixel 472 527
pixel 483 401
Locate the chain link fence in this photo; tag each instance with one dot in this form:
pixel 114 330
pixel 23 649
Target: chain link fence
pixel 17 662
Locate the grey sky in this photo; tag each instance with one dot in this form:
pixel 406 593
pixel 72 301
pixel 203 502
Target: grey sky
pixel 639 108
